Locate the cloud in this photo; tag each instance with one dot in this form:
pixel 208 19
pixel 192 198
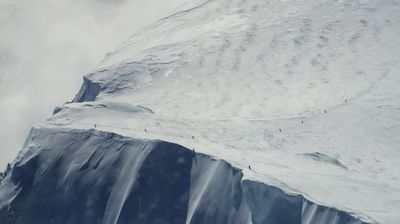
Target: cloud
pixel 47 46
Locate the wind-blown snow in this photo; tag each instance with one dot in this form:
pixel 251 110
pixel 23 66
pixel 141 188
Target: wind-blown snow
pixel 305 92
pixel 71 176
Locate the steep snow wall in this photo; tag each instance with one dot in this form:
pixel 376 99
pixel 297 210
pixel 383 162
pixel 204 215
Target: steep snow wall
pixel 271 205
pixel 88 91
pixel 71 176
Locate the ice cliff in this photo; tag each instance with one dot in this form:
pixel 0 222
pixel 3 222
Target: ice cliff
pixel 227 111
pixel 88 176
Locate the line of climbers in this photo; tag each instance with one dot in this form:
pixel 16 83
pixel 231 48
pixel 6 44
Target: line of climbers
pixel 194 152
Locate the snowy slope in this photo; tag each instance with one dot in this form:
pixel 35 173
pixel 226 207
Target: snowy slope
pixel 87 176
pixel 305 92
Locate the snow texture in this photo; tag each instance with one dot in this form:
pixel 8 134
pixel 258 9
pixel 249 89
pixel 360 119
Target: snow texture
pixel 302 98
pixel 87 176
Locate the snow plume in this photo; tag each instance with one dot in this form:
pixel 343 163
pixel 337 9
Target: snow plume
pixel 46 46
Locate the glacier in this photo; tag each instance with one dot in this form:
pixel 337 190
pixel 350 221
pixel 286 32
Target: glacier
pixel 227 111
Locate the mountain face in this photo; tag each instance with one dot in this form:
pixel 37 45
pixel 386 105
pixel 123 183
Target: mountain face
pixel 228 111
pixel 88 176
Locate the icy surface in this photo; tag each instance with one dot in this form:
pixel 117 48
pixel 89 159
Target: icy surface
pixel 67 176
pixel 307 93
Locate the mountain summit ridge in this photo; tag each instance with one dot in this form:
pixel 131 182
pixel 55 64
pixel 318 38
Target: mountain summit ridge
pixel 302 96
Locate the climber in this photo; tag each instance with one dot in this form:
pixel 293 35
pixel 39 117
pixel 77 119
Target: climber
pixel 280 130
pixel 193 137
pixel 325 111
pixel 145 130
pixel 249 167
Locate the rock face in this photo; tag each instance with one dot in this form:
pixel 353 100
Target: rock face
pixel 88 176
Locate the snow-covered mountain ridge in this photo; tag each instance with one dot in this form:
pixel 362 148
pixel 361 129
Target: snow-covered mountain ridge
pixel 100 177
pixel 304 92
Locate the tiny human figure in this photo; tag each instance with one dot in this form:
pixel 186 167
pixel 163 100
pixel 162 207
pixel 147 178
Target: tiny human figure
pixel 192 137
pixel 193 150
pixel 325 111
pixel 145 130
pixel 249 167
pixel 280 130
pixel 302 121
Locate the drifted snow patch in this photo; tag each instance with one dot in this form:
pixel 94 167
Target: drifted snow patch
pixel 74 176
pixel 321 157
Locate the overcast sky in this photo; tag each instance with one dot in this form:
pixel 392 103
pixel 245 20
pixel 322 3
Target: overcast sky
pixel 46 47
